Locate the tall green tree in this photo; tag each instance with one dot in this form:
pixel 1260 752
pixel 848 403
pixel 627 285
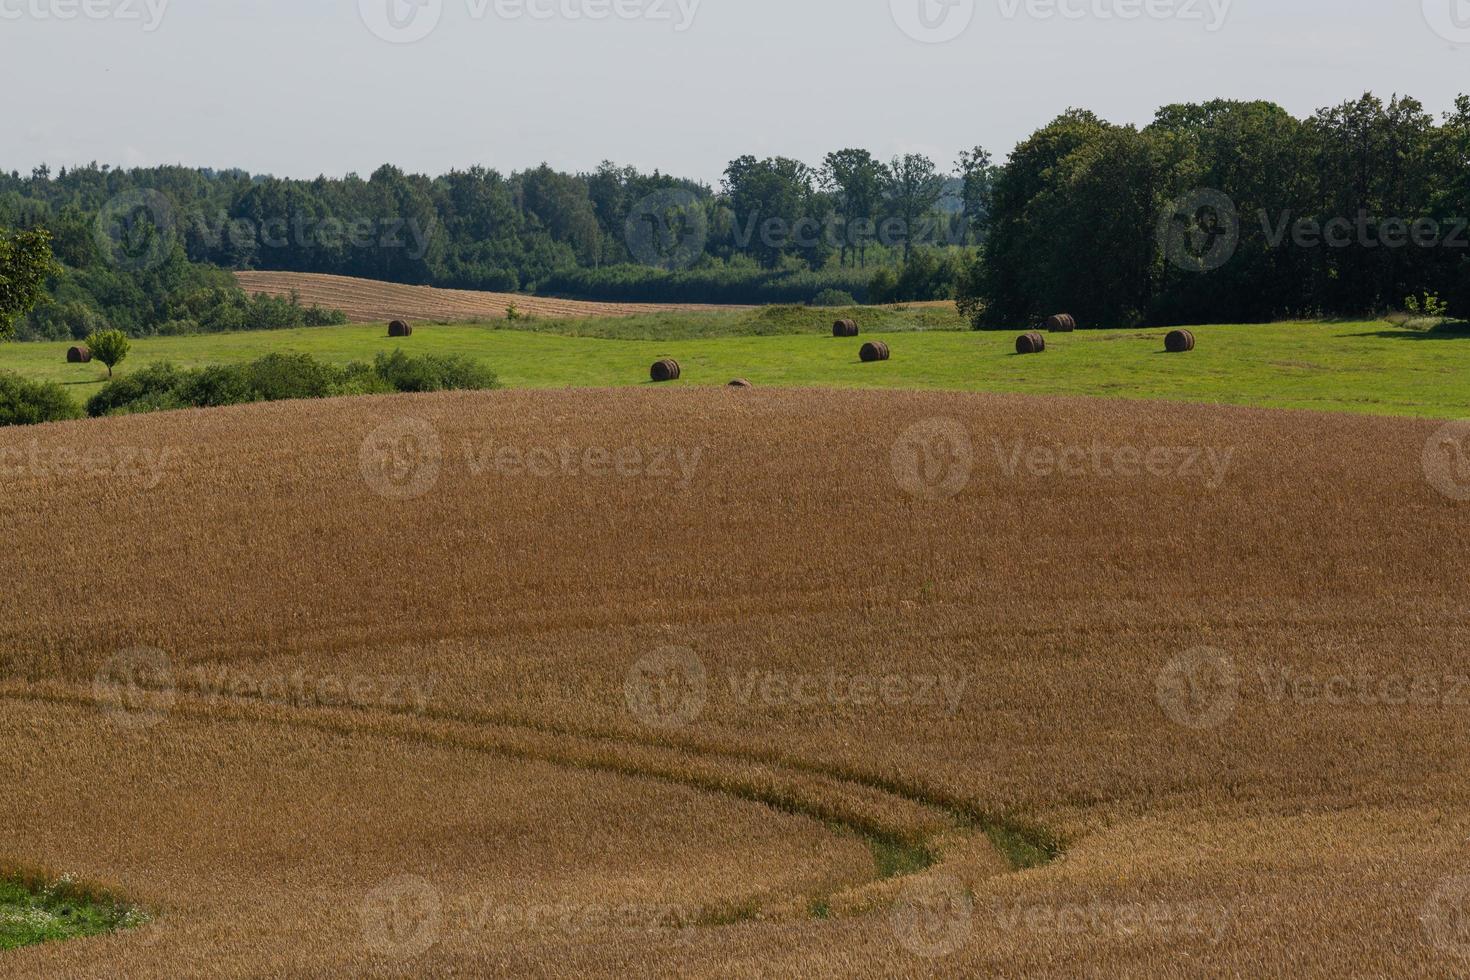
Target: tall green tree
pixel 912 186
pixel 976 172
pixel 25 263
pixel 773 205
pixel 855 177
pixel 1010 286
pixel 110 347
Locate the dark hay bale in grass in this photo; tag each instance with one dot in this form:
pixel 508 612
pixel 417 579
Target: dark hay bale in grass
pixel 1179 342
pixel 665 370
pixel 874 350
pixel 1030 343
pixel 740 383
pixel 845 328
pixel 1061 323
pixel 78 355
pixel 399 328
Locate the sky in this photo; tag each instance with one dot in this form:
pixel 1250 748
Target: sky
pixel 305 87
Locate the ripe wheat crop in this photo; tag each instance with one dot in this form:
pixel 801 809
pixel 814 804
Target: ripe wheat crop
pixel 724 682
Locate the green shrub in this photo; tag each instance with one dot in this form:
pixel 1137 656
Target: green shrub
pixel 833 297
pixel 70 320
pixel 279 377
pixel 212 387
pixel 24 402
pixel 432 372
pixel 317 316
pixel 141 387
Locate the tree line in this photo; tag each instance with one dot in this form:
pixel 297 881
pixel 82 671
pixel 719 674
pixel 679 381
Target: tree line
pixel 1217 211
pixel 1230 212
pixel 777 230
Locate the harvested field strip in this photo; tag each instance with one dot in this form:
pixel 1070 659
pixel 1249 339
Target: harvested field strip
pixel 366 300
pixel 910 835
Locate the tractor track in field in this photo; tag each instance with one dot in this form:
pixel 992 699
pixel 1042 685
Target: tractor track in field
pixel 931 833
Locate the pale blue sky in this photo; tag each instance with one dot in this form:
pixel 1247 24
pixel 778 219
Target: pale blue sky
pixel 297 88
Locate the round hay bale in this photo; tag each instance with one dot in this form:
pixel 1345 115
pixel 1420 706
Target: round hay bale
pixel 1179 342
pixel 1030 343
pixel 78 355
pixel 1061 323
pixel 740 383
pixel 845 328
pixel 874 350
pixel 665 370
pixel 399 328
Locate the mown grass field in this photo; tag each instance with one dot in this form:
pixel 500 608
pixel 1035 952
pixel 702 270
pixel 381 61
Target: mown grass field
pixel 1369 366
pixel 704 682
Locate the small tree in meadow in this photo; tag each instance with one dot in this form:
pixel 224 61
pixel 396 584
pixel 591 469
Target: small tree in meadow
pixel 109 347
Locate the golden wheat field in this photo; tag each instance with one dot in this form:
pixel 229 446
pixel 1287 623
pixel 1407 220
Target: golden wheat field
pixel 714 682
pixel 367 300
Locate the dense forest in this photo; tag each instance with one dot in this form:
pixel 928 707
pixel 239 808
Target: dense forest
pixel 773 235
pixel 1230 212
pixel 1221 211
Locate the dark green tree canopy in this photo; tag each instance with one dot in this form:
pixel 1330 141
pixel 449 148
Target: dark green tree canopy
pixel 25 263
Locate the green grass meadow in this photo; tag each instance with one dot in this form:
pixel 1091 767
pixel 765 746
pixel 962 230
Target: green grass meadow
pixel 31 913
pixel 1369 366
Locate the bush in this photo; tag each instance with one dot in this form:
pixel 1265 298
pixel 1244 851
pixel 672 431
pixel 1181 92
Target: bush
pixel 137 391
pixel 318 316
pixel 25 402
pixel 432 372
pixel 929 274
pixel 280 377
pixel 71 320
pixel 833 297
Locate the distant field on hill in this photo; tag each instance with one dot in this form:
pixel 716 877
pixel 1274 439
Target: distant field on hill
pixel 366 300
pixel 1357 367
